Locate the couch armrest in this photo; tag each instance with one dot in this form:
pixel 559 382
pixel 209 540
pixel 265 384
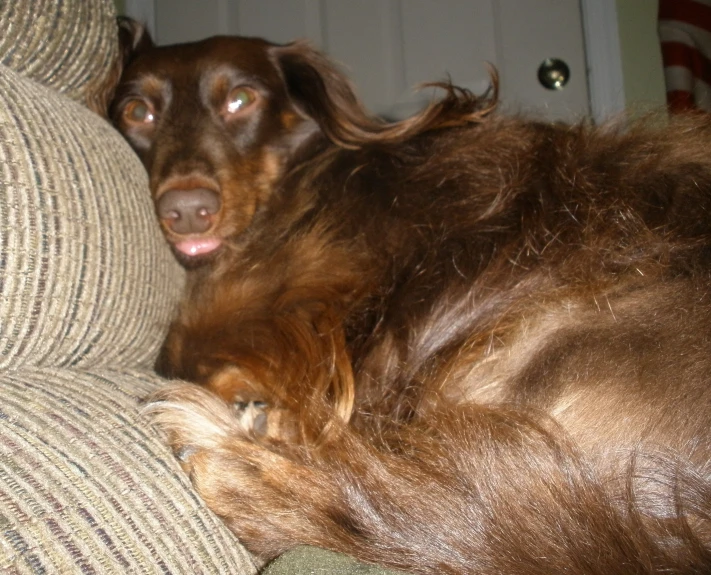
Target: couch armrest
pixel 87 486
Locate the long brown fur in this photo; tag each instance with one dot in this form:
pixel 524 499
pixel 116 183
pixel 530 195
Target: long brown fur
pixel 463 343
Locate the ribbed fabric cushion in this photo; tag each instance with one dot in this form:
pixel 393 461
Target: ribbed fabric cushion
pixel 70 45
pixel 87 487
pixel 87 289
pixel 85 276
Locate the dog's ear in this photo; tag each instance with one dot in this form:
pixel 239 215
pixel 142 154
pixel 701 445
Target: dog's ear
pixel 322 93
pixel 133 38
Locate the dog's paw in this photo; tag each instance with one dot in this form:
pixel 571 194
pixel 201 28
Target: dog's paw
pixel 272 492
pixel 252 416
pixel 240 473
pixel 195 419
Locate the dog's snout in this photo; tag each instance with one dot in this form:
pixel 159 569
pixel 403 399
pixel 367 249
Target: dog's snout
pixel 188 211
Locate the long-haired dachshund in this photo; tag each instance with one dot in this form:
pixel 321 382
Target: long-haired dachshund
pixel 461 343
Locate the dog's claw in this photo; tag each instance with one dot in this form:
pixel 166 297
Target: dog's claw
pixel 184 453
pixel 252 416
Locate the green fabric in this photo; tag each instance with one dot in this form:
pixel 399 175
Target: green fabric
pixel 313 561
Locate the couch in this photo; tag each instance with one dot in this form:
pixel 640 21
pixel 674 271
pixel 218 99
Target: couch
pixel 87 289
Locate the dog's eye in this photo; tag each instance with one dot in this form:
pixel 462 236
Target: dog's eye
pixel 239 98
pixel 139 112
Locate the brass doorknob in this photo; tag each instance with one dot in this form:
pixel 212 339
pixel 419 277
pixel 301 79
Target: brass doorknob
pixel 553 74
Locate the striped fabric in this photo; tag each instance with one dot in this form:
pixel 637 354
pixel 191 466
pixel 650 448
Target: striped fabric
pixel 685 34
pixel 87 289
pixel 85 277
pixel 87 487
pixel 70 45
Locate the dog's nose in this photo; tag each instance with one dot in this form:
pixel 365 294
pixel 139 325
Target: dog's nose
pixel 188 211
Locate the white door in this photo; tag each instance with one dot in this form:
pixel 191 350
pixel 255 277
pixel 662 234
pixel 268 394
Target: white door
pixel 388 47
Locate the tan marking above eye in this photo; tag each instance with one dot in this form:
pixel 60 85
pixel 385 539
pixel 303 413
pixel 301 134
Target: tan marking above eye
pixel 239 99
pixel 139 112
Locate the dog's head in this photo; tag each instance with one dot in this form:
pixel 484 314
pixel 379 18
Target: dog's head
pixel 216 122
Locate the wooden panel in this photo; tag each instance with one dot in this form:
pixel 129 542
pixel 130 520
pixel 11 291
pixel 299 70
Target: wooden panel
pixel 361 36
pixel 389 46
pixel 187 20
pixel 552 30
pixel 445 39
pixel 277 20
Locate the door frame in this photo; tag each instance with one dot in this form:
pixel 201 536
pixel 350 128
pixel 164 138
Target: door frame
pixel 606 91
pixel 143 11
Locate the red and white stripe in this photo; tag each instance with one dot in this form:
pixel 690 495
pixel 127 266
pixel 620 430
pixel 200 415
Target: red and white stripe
pixel 685 35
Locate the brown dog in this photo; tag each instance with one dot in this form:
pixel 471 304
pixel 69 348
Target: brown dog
pixel 463 343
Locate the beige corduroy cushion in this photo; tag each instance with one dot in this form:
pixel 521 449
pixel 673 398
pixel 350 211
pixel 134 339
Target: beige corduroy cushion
pixel 85 276
pixel 87 487
pixel 69 45
pixel 87 289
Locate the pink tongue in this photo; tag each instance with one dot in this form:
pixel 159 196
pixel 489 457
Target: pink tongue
pixel 198 246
